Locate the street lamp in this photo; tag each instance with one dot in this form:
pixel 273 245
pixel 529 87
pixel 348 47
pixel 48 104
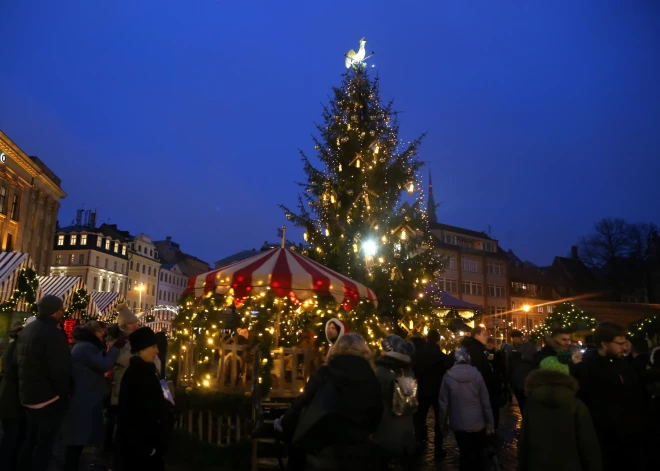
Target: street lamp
pixel 526 308
pixel 370 247
pixel 140 289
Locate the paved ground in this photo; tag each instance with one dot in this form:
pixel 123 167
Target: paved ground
pixel 506 444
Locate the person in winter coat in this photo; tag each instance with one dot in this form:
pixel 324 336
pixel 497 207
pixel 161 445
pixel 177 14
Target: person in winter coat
pixel 127 323
pixel 144 419
pixel 520 362
pixel 83 425
pixel 44 383
pixel 162 351
pixel 11 411
pixel 557 431
pixel 652 381
pixel 559 340
pixel 464 400
pixel 334 329
pixel 498 383
pixel 395 437
pixel 429 366
pixel 615 398
pixel 342 406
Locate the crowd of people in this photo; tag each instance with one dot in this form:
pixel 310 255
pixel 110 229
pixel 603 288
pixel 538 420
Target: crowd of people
pixel 588 409
pixel 51 394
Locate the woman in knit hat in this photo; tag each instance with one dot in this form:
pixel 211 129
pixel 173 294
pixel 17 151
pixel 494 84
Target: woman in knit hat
pixel 395 437
pixel 144 415
pixel 127 322
pixel 557 431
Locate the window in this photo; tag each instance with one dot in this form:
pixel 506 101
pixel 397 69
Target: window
pixel 448 285
pixel 495 269
pixel 107 262
pixel 464 243
pixel 83 239
pixel 146 251
pixel 170 278
pixel 115 266
pixel 161 276
pixel 489 247
pixel 151 252
pixel 470 265
pixel 119 287
pixel 72 259
pixel 472 287
pixel 129 284
pixel 143 269
pixel 149 270
pixel 3 199
pixel 104 284
pixel 139 248
pixel 160 295
pixel 81 259
pixel 122 268
pixel 112 286
pixel 524 288
pixel 15 206
pixel 74 239
pixel 116 247
pixel 58 259
pixel 550 308
pixel 539 308
pixel 496 291
pixel 123 249
pixel 60 240
pixel 450 239
pixel 99 241
pixel 513 305
pixel 98 261
pixel 107 244
pixel 153 290
pixel 452 263
pixel 137 266
pixel 96 283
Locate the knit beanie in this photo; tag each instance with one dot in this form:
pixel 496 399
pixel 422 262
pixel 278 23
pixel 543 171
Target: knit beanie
pixel 49 305
pixel 142 339
pixel 125 315
pixel 555 363
pixel 395 344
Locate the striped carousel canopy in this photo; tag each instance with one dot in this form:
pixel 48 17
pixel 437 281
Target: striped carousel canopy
pixel 11 263
pixel 284 272
pixel 62 287
pixel 102 305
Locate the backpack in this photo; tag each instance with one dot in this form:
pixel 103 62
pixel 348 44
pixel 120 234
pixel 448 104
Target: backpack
pixel 404 399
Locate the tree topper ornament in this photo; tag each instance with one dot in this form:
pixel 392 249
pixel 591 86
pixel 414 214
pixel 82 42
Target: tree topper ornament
pixel 357 59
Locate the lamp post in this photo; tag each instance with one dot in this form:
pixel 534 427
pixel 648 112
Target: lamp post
pixel 140 289
pixel 526 308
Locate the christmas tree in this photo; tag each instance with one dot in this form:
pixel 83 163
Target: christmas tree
pixel 565 316
pixel 362 209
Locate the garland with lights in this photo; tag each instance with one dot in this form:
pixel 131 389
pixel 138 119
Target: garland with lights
pixel 646 329
pixel 354 210
pixel 79 304
pixel 27 285
pixel 567 316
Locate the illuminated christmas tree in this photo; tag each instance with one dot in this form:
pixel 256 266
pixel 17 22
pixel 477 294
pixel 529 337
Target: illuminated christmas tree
pixel 566 316
pixel 362 209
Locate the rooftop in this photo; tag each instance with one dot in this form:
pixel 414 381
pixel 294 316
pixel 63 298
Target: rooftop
pixel 460 230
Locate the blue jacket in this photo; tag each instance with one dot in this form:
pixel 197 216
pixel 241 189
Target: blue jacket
pixel 84 420
pixel 464 400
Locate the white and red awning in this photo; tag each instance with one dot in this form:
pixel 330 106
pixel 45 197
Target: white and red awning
pixel 285 273
pixel 62 287
pixel 102 305
pixel 11 263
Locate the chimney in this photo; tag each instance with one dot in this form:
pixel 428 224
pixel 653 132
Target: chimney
pixel 168 239
pixel 574 252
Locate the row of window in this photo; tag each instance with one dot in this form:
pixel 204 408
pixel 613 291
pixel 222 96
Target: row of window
pixel 166 296
pixel 133 284
pixel 146 269
pixel 449 285
pixel 15 203
pixel 148 251
pixel 109 245
pixel 168 278
pixel 71 260
pixel 497 310
pixel 106 285
pixel 540 309
pixel 461 242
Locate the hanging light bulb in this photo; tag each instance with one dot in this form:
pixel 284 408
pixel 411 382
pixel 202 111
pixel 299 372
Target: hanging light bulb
pixel 404 235
pixel 305 236
pixel 411 188
pixel 327 232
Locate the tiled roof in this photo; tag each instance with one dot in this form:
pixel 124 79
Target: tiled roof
pixel 460 230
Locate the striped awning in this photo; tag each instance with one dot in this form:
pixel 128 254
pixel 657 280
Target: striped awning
pixel 285 273
pixel 11 263
pixel 62 287
pixel 102 305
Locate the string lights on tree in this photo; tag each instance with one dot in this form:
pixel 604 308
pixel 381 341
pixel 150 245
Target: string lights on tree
pixel 27 285
pixel 566 316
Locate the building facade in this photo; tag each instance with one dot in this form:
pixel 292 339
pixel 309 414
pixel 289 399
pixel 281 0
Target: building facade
pixel 98 255
pixel 30 195
pixel 477 271
pixel 144 267
pixel 171 254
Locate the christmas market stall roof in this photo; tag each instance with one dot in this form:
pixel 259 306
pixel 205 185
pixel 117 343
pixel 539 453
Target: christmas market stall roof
pixel 11 264
pixel 285 273
pixel 102 305
pixel 63 287
pixel 445 300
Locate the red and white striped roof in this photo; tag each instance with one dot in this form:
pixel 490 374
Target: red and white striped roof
pixel 102 305
pixel 62 287
pixel 11 263
pixel 286 273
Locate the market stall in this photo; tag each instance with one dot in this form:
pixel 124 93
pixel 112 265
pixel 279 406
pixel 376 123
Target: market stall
pixel 102 305
pixel 19 289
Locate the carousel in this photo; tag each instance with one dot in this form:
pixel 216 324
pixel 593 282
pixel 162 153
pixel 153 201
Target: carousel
pixel 256 322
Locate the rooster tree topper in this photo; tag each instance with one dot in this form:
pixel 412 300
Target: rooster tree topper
pixel 356 59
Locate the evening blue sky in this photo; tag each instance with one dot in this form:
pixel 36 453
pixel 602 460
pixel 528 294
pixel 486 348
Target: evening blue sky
pixel 183 117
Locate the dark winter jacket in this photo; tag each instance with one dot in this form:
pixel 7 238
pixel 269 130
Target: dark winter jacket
pixel 498 381
pixel 479 359
pixel 339 409
pixel 545 352
pixel 145 419
pixel 432 370
pixel 84 420
pixel 44 362
pixel 520 361
pixel 162 352
pixel 464 400
pixel 557 431
pixel 114 334
pixel 10 403
pixel 395 434
pixel 652 380
pixel 611 391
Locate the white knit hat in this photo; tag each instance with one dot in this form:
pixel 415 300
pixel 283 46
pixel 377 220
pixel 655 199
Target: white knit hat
pixel 125 315
pixel 30 320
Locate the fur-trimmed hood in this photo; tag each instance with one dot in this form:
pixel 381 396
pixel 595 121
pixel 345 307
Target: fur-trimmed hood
pixel 550 388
